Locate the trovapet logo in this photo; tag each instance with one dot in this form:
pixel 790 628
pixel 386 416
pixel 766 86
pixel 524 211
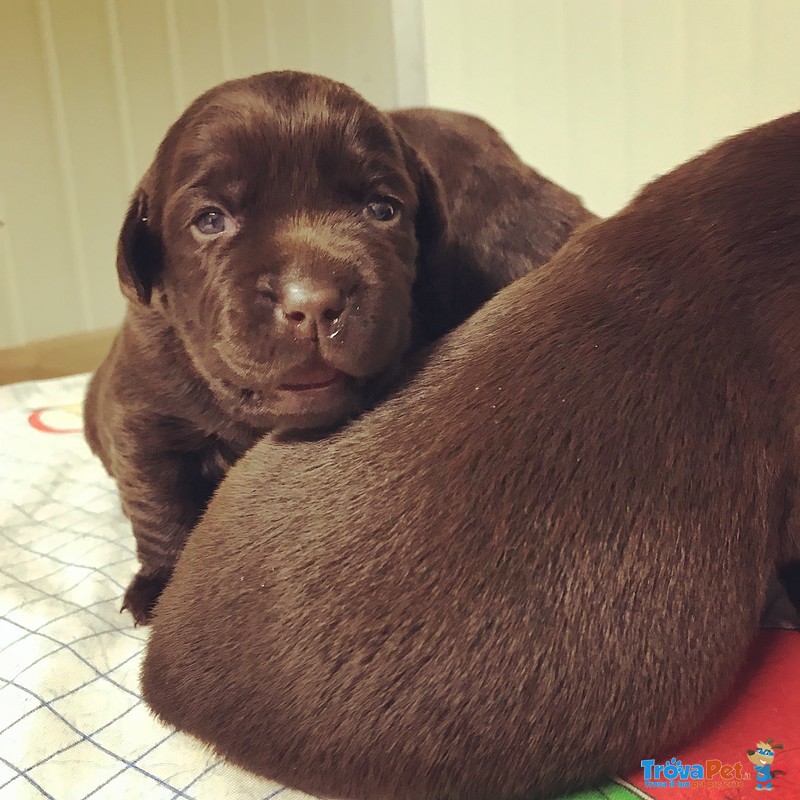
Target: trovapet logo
pixel 713 773
pixel 675 774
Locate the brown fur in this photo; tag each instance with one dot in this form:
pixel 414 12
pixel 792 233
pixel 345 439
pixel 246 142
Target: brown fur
pixel 543 559
pixel 213 329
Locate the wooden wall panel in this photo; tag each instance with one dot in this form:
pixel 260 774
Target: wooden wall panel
pixel 776 53
pixel 38 232
pixel 196 46
pixel 288 28
pixel 147 97
pixel 308 35
pixel 90 149
pixel 245 34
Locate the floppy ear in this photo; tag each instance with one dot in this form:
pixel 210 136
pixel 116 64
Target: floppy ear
pixel 432 227
pixel 431 223
pixel 139 251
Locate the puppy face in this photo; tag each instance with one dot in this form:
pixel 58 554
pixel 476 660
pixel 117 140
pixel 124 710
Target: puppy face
pixel 276 233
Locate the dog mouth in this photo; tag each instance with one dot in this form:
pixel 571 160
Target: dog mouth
pixel 312 378
pixel 314 387
pixel 308 378
pixel 310 395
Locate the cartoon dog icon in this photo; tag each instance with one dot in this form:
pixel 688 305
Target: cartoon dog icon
pixel 762 758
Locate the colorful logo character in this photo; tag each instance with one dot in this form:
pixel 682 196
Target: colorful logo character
pixel 762 758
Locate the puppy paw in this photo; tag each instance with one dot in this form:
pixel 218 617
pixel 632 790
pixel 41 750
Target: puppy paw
pixel 143 593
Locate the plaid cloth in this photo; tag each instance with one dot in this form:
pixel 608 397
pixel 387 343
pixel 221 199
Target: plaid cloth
pixel 72 723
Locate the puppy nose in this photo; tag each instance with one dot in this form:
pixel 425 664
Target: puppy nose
pixel 310 306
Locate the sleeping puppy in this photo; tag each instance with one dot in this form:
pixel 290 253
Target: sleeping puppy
pixel 288 247
pixel 563 523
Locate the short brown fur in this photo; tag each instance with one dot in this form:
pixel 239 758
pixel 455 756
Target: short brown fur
pixel 211 341
pixel 542 560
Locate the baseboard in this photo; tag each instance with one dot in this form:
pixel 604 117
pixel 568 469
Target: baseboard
pixel 52 358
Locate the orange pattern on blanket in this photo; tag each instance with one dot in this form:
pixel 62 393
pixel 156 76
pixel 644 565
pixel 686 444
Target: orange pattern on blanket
pixel 57 419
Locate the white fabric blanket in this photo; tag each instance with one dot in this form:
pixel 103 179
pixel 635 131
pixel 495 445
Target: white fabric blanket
pixel 72 723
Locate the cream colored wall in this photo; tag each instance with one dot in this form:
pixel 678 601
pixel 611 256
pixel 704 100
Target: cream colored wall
pixel 603 95
pixel 599 94
pixel 88 88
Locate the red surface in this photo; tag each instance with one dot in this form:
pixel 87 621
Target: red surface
pixel 765 703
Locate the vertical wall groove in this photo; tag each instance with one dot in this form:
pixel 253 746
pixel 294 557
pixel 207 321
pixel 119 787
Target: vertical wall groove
pixel 120 87
pixel 65 163
pixel 621 74
pixel 682 78
pixel 750 54
pixel 409 52
pixel 176 68
pixel 269 37
pixel 313 35
pixel 223 14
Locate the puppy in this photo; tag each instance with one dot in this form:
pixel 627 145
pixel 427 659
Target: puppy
pixel 563 523
pixel 288 247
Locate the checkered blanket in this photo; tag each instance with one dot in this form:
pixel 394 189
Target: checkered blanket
pixel 72 723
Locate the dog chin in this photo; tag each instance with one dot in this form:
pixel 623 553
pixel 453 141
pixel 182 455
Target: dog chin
pixel 301 420
pixel 292 408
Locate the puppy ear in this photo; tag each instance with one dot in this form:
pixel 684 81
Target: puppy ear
pixel 432 228
pixel 139 251
pixel 431 222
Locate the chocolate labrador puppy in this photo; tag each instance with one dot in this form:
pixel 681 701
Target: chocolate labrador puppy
pixel 544 558
pixel 288 247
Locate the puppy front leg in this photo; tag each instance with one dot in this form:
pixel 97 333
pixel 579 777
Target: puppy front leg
pixel 163 495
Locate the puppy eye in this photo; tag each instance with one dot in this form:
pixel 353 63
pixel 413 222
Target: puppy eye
pixel 211 222
pixel 381 210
